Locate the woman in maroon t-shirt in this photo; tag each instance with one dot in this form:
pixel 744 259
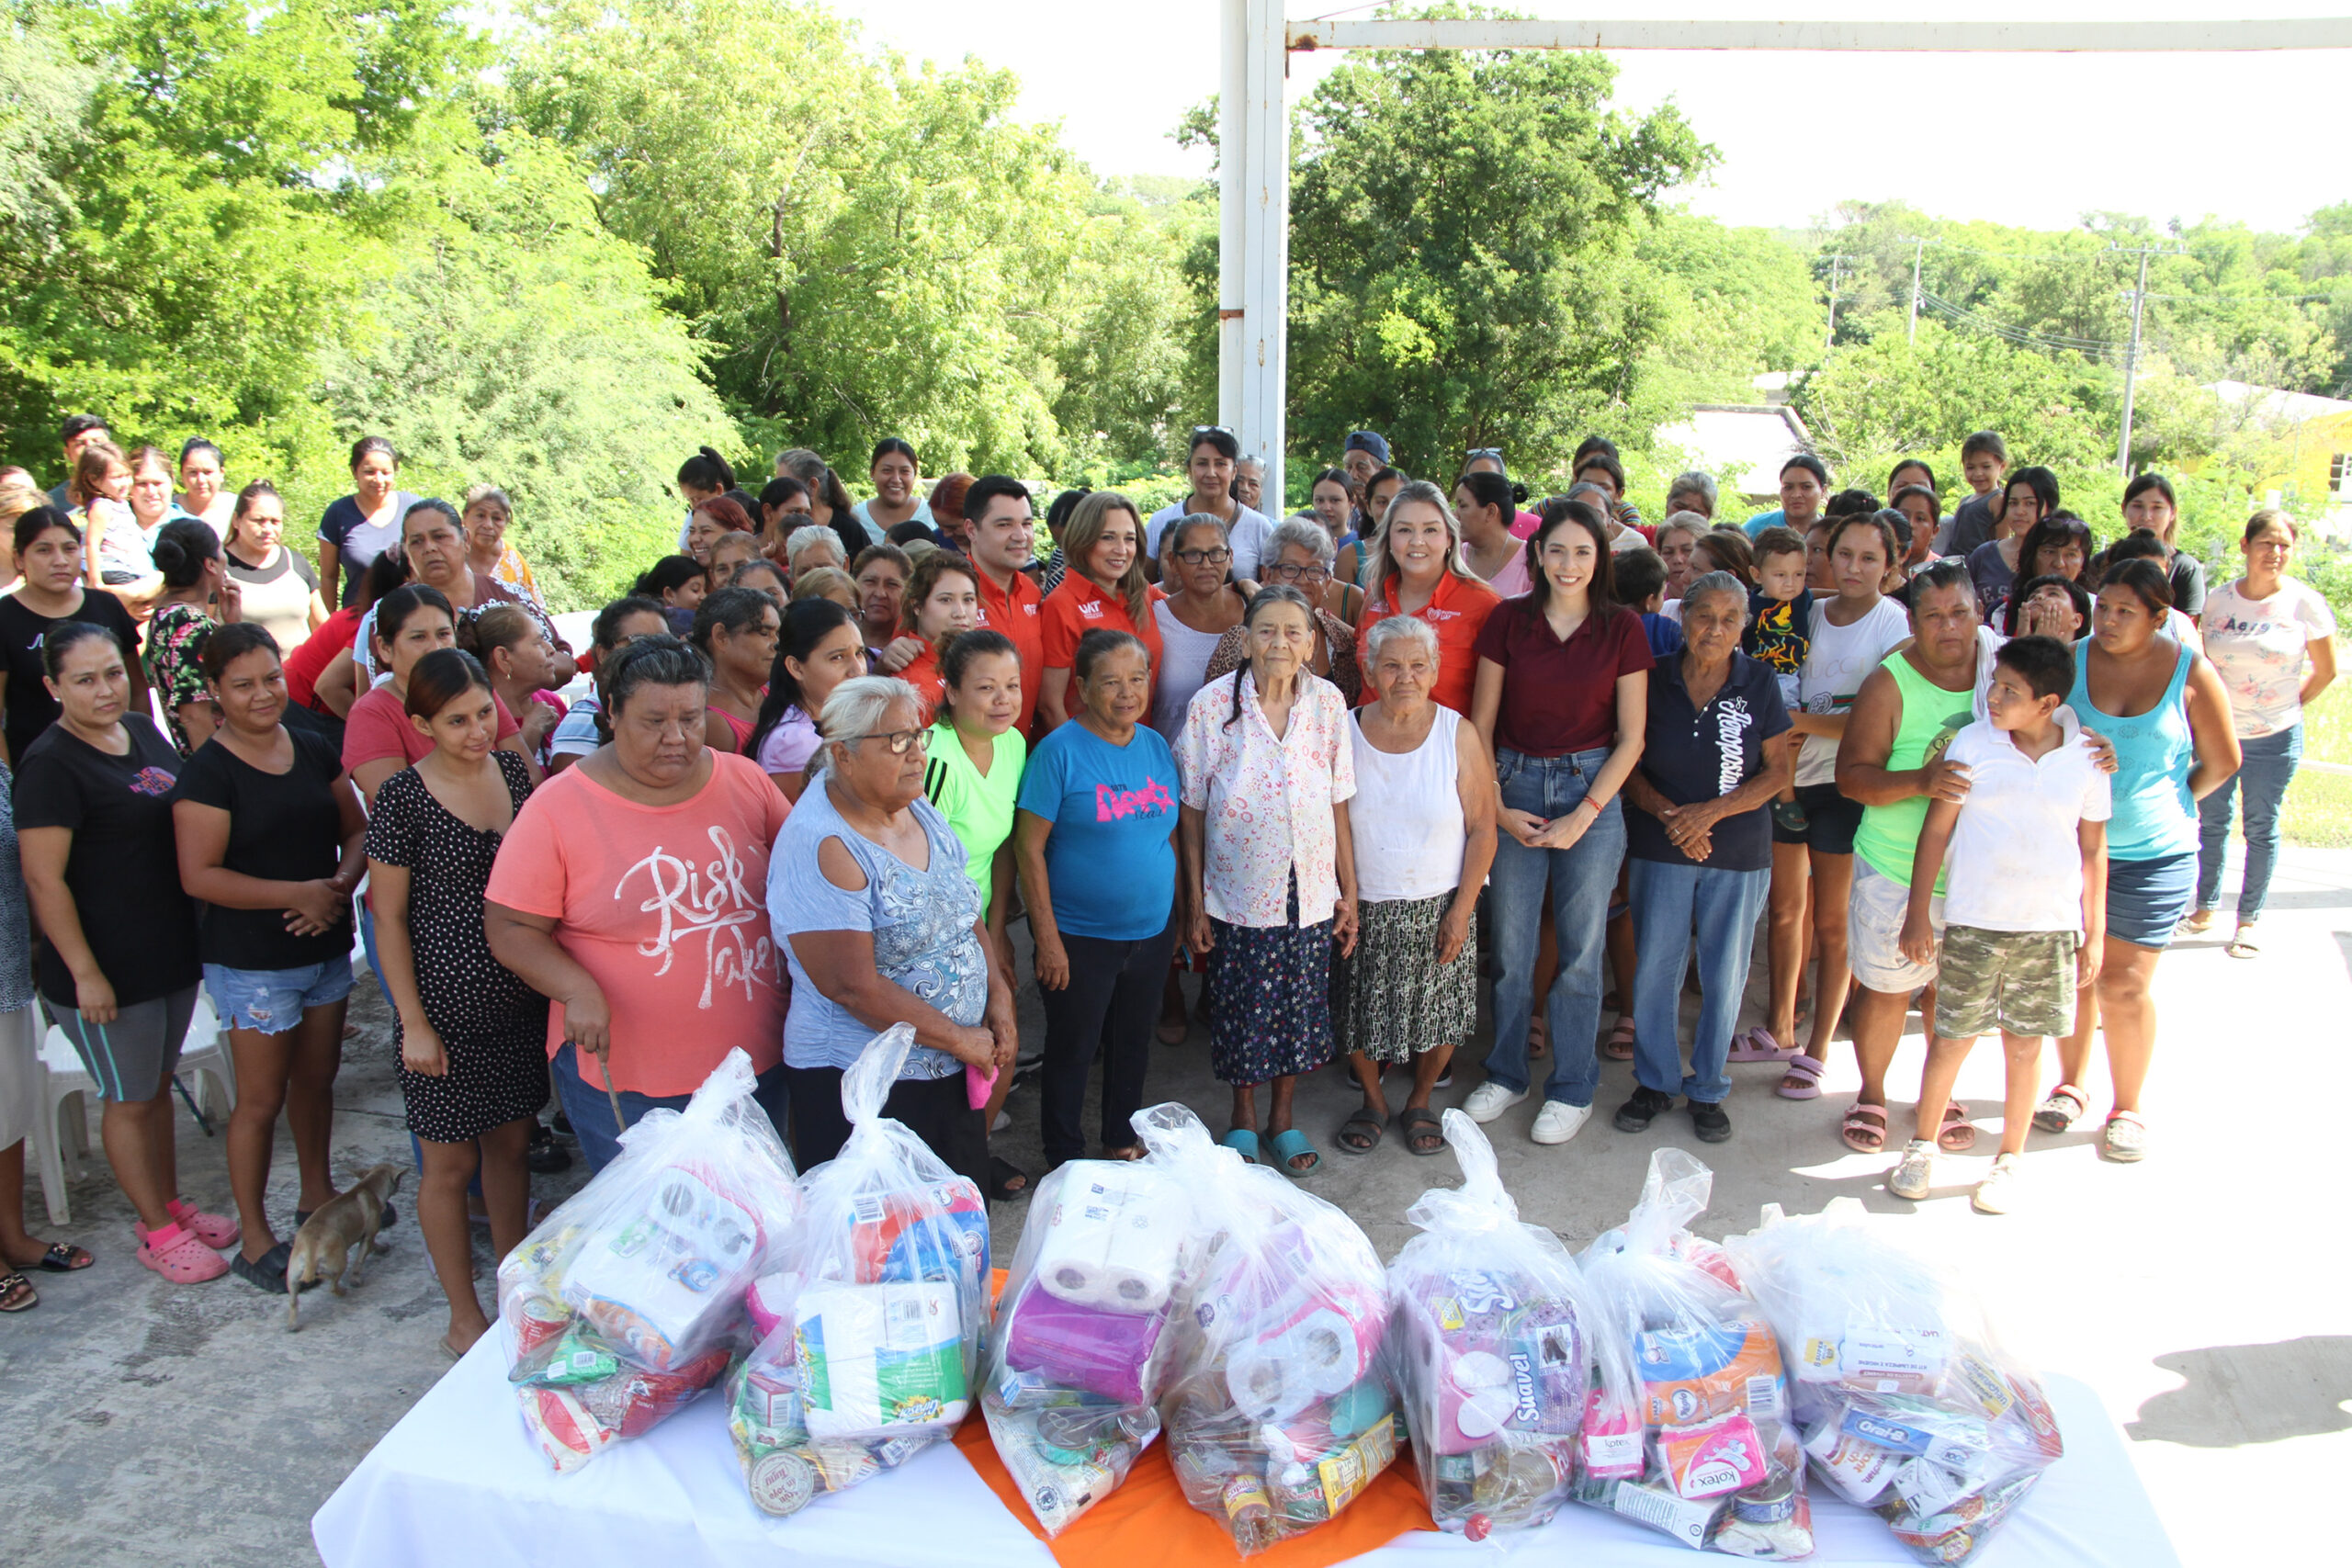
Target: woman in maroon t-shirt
pixel 1561 697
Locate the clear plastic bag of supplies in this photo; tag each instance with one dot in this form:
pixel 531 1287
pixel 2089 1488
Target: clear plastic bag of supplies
pixel 1279 1411
pixel 1081 1343
pixel 1489 1343
pixel 1906 1403
pixel 870 1323
pixel 628 1301
pixel 1689 1430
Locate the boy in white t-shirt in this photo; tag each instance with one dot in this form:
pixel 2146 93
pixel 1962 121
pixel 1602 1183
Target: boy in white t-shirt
pixel 2025 899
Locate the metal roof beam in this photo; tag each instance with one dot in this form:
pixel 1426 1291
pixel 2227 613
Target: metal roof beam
pixel 1869 37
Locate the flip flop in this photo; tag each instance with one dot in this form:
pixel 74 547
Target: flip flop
pixel 1619 1045
pixel 1757 1045
pixel 1419 1125
pixel 1371 1128
pixel 1002 1174
pixel 2243 945
pixel 1288 1146
pixel 1243 1141
pixel 64 1258
pixel 1864 1128
pixel 2061 1110
pixel 1807 1071
pixel 1956 1136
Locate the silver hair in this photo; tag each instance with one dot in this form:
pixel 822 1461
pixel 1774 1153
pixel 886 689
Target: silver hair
pixel 1695 480
pixel 857 705
pixel 811 535
pixel 1257 463
pixel 477 493
pixel 1700 586
pixel 1171 537
pixel 1696 522
pixel 1383 632
pixel 1606 507
pixel 1306 533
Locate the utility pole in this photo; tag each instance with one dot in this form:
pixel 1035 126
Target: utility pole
pixel 1911 332
pixel 2132 363
pixel 1829 338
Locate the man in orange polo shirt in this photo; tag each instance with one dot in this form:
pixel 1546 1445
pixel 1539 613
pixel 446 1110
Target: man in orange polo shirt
pixel 1003 542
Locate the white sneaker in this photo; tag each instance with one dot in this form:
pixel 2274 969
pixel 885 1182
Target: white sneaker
pixel 1916 1174
pixel 1558 1121
pixel 1999 1188
pixel 1491 1100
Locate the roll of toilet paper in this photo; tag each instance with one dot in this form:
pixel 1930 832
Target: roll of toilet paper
pixel 1113 1239
pixel 878 1359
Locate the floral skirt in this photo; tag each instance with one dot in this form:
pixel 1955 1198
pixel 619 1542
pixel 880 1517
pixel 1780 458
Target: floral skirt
pixel 1269 999
pixel 1400 999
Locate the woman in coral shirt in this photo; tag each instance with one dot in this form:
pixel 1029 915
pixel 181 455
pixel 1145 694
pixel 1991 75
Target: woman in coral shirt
pixel 1418 565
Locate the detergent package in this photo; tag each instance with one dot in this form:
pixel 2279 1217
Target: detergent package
pixel 629 1300
pixel 1279 1411
pixel 1907 1405
pixel 870 1323
pixel 1079 1349
pixel 1689 1424
pixel 1489 1346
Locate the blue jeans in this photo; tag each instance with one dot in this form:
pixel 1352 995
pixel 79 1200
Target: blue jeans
pixel 1582 879
pixel 2262 776
pixel 590 1109
pixel 1669 900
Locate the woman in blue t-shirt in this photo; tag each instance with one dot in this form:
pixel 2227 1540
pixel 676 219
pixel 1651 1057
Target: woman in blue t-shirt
pixel 362 525
pixel 1095 847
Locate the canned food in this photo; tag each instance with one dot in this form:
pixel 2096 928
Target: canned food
pixel 782 1481
pixel 1769 1503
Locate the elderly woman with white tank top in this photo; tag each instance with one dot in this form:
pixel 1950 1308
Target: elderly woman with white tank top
pixel 1427 837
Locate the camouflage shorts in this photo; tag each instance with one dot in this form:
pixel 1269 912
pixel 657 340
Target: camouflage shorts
pixel 2019 982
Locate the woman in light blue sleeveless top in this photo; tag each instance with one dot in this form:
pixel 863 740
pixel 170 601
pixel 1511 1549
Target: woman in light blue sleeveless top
pixel 2175 747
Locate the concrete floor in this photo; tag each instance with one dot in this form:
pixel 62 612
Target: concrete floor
pixel 153 1424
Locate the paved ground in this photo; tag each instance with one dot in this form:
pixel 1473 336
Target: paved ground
pixel 2198 1293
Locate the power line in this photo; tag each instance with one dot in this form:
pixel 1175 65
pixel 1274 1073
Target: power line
pixel 2025 337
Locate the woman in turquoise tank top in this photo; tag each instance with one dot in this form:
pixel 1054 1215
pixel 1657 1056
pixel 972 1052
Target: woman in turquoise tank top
pixel 2164 709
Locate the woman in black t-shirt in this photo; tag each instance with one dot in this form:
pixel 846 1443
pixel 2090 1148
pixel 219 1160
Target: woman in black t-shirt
pixel 270 835
pixel 118 965
pixel 49 553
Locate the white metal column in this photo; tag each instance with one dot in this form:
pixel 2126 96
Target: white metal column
pixel 1262 338
pixel 1233 141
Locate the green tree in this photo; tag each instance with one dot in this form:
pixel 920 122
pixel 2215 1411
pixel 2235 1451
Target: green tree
pixel 515 342
pixel 1462 255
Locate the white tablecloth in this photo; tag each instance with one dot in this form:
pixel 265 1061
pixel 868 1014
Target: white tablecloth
pixel 458 1483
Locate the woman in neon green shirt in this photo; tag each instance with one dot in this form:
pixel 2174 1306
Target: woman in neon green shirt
pixel 974 777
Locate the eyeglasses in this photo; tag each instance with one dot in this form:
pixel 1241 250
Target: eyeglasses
pixel 1218 556
pixel 1286 572
pixel 899 740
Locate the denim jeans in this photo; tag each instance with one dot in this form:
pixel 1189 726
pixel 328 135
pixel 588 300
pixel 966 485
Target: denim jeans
pixel 2262 777
pixel 1582 879
pixel 589 1109
pixel 1669 900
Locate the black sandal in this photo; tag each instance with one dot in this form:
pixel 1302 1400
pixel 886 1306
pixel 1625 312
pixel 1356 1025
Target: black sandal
pixel 268 1272
pixel 17 1292
pixel 1419 1122
pixel 64 1258
pixel 1364 1119
pixel 1002 1174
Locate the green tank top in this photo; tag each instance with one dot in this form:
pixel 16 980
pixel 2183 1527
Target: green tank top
pixel 1931 717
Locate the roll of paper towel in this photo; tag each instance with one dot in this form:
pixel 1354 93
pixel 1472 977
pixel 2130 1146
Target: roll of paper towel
pixel 1114 1237
pixel 875 1359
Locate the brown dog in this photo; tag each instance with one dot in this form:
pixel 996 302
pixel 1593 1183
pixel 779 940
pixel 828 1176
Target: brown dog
pixel 326 1243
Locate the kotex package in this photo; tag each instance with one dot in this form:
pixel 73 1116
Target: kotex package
pixel 1077 1350
pixel 1906 1402
pixel 873 1317
pixel 1689 1424
pixel 629 1300
pixel 1278 1409
pixel 1488 1346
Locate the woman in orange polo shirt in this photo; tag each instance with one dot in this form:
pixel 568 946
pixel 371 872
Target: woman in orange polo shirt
pixel 1103 587
pixel 1418 564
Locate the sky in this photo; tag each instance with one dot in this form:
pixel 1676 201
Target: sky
pixel 2028 140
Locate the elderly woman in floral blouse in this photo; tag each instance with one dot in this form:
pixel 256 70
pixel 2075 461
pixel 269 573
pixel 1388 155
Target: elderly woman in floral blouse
pixel 1269 870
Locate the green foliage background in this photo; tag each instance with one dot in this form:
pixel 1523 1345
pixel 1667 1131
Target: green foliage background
pixel 560 258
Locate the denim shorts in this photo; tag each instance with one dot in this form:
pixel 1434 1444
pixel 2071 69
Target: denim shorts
pixel 2146 899
pixel 271 1002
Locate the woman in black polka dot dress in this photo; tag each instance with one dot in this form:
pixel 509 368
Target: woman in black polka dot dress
pixel 472 1036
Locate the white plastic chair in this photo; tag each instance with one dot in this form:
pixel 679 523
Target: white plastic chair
pixel 62 1133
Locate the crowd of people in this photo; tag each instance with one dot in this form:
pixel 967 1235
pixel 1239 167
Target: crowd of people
pixel 1340 765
